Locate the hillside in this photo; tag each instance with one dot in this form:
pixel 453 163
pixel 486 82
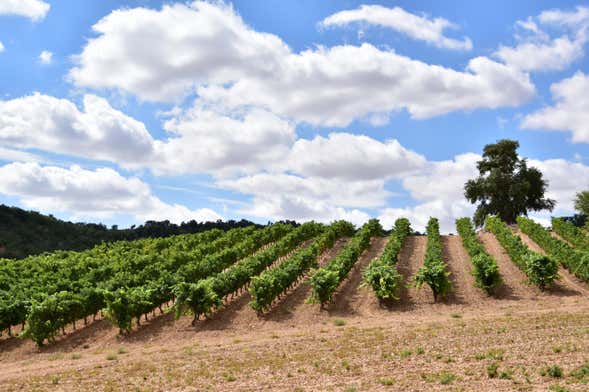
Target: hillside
pixel 415 344
pixel 24 233
pixel 505 341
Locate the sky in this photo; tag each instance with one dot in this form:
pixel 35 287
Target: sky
pixel 125 111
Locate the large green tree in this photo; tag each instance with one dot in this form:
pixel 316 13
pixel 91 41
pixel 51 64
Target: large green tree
pixel 506 186
pixel 582 202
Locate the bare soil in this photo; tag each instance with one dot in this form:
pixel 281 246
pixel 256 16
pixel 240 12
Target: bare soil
pixel 355 344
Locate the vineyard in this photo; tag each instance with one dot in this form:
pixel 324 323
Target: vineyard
pixel 244 280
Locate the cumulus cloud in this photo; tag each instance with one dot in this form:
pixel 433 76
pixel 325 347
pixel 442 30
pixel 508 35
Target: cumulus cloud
pixel 352 157
pixel 35 10
pixel 99 193
pixel 537 51
pixel 286 196
pixel 1 47
pixel 556 54
pixel 565 179
pixel 334 86
pixel 420 28
pixel 97 132
pixel 570 111
pixel 164 54
pixel 576 18
pixel 439 192
pixel 201 139
pixel 446 212
pixel 214 140
pixel 46 57
pixel 12 155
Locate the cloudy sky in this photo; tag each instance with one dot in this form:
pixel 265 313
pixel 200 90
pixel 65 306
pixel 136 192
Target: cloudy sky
pixel 123 111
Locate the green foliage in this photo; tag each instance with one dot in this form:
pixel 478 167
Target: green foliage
pixel 486 271
pixel 325 281
pixel 506 186
pixel 572 234
pixel 25 233
pixel 493 370
pixel 553 371
pixel 574 260
pixel 434 273
pixel 540 270
pixel 201 297
pixel 128 279
pixel 381 274
pixel 266 287
pixel 582 202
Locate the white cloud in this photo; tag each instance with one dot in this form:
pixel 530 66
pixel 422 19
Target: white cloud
pixel 334 86
pixel 99 193
pixel 32 9
pixel 201 139
pixel 556 54
pixel 46 57
pixel 284 196
pixel 446 211
pixel 579 17
pixel 97 132
pixel 352 157
pixel 537 51
pixel 17 155
pixel 360 194
pixel 443 179
pixel 161 55
pixel 565 179
pixel 570 111
pixel 215 140
pixel 165 54
pixel 1 47
pixel 439 191
pixel 417 27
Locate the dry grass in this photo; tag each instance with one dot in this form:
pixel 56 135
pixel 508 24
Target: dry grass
pixel 483 353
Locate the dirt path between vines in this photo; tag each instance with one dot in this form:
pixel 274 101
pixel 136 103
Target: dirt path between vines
pixel 514 285
pixel 350 297
pixel 410 260
pixel 463 289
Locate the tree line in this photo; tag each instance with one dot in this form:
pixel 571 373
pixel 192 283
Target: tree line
pixel 25 233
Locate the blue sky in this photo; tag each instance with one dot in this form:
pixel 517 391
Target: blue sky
pixel 122 111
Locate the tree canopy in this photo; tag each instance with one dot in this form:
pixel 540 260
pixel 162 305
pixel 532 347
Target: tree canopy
pixel 506 185
pixel 582 202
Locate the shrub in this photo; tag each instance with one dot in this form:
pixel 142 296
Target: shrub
pixel 381 274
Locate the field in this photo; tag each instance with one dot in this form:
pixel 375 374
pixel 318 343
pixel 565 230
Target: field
pixel 519 338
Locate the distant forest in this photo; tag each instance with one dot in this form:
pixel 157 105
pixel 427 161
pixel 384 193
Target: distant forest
pixel 24 233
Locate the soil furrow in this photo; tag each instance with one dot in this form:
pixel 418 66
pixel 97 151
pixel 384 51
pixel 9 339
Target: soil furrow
pixel 514 285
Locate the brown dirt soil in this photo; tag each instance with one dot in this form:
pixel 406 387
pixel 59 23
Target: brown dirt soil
pixel 351 299
pixel 463 289
pixel 414 345
pixel 410 260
